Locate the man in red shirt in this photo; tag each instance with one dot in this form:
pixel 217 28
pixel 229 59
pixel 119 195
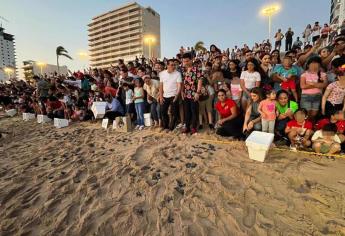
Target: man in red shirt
pixel 299 130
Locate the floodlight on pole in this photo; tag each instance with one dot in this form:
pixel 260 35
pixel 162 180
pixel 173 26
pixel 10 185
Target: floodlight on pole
pixel 41 65
pixel 8 71
pixel 149 40
pixel 270 11
pixel 83 56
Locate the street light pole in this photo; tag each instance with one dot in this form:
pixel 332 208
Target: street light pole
pixel 150 52
pixel 150 40
pixel 8 72
pixel 270 11
pixel 41 65
pixel 269 27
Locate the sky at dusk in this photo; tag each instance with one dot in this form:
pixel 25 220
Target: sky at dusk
pixel 40 26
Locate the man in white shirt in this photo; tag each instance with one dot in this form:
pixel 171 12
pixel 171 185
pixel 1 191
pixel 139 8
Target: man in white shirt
pixel 169 92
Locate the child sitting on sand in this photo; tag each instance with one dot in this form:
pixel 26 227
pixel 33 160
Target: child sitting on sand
pixel 299 130
pixel 326 141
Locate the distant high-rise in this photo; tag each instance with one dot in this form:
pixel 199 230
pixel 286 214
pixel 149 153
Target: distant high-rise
pixel 124 33
pixel 7 56
pixel 337 12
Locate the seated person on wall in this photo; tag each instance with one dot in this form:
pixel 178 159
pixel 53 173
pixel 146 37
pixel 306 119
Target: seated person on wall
pixel 230 122
pixel 326 140
pixel 113 108
pixel 299 130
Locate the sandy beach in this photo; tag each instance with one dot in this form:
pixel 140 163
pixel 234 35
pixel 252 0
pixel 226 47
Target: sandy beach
pixel 83 180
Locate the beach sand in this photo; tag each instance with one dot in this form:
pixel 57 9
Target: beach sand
pixel 84 180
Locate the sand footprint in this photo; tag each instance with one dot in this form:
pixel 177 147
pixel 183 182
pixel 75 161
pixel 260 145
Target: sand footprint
pixel 249 218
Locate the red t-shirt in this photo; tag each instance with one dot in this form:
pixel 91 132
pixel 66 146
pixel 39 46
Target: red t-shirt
pixel 340 125
pixel 289 85
pixel 225 111
pixel 110 90
pixel 54 104
pixel 293 123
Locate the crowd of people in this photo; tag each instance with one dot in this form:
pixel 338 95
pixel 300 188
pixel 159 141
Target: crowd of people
pixel 298 96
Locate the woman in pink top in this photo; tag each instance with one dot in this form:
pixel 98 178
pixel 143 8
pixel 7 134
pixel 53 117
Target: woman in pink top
pixel 334 97
pixel 313 81
pixel 268 111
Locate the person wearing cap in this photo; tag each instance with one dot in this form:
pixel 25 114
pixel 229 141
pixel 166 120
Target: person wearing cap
pixel 312 83
pixel 152 89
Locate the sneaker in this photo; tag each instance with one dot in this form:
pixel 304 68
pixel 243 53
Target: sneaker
pixel 201 127
pixel 194 131
pixel 211 126
pixel 293 148
pixel 137 127
pixel 179 126
pixel 141 127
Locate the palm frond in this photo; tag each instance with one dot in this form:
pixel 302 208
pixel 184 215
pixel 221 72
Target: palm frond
pixel 66 55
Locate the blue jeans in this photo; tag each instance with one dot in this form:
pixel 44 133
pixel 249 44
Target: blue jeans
pixel 155 110
pixel 140 109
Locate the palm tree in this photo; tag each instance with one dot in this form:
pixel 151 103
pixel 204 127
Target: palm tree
pixel 199 46
pixel 61 51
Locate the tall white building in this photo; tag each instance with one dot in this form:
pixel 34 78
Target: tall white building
pixel 7 55
pixel 337 12
pixel 124 33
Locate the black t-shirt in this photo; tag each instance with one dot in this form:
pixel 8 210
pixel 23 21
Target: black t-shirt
pixel 289 35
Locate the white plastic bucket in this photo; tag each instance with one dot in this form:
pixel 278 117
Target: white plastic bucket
pixel 28 116
pixel 60 123
pixel 42 119
pixel 98 109
pixel 147 119
pixel 258 144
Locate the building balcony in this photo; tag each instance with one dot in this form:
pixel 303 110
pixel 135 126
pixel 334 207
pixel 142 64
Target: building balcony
pixel 115 28
pixel 114 21
pixel 115 43
pixel 114 13
pixel 115 36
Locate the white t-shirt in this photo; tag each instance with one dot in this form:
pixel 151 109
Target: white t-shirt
pixel 250 79
pixel 316 31
pixel 318 134
pixel 129 96
pixel 170 81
